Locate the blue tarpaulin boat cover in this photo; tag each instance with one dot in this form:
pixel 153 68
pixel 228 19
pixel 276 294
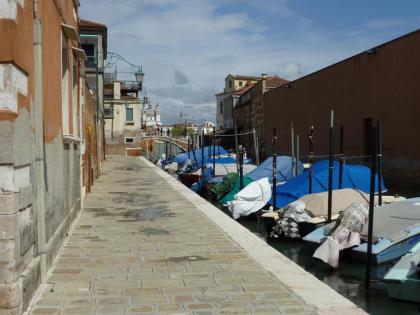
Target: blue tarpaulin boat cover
pixel 222 160
pixel 354 176
pixel 195 155
pixel 284 169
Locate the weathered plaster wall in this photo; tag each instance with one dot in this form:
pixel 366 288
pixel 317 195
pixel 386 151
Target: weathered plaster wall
pixel 62 192
pixel 8 8
pixel 20 271
pixel 17 214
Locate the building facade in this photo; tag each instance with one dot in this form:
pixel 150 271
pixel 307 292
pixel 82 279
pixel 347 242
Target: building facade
pixel 232 83
pixel 379 84
pixel 123 112
pixel 249 112
pixel 41 99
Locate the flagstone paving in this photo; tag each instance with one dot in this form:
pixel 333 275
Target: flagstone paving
pixel 140 247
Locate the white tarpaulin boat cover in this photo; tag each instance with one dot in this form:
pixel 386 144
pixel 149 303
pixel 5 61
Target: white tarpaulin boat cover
pixel 250 199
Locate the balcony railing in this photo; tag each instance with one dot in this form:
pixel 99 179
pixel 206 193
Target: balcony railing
pixel 130 85
pixel 127 86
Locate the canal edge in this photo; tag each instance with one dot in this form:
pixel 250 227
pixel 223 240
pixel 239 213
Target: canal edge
pixel 307 287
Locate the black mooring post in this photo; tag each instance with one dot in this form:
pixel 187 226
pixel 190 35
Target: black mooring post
pixel 373 147
pixel 274 170
pixel 379 165
pixel 331 166
pixel 202 154
pixel 241 168
pixel 341 161
pixel 297 155
pixel 214 151
pixel 170 146
pixel 193 152
pixel 311 154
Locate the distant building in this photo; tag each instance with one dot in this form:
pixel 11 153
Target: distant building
pixel 232 83
pixel 249 110
pixel 123 109
pixel 208 127
pixel 150 117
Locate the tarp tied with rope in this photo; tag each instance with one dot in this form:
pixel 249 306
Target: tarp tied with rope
pixel 284 169
pixel 354 176
pixel 195 155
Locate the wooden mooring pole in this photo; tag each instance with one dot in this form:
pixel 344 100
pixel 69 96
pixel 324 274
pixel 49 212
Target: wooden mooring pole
pixel 214 151
pixel 311 154
pixel 341 161
pixel 373 148
pixel 274 170
pixel 379 165
pixel 330 166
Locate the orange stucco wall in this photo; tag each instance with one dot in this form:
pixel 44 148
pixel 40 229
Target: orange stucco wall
pixel 51 55
pixel 17 48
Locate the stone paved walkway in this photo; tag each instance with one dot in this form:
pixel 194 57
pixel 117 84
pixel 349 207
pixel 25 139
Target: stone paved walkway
pixel 140 247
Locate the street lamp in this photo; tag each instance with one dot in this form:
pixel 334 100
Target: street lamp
pixel 139 76
pixel 115 57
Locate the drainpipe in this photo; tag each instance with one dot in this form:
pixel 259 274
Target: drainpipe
pixel 39 144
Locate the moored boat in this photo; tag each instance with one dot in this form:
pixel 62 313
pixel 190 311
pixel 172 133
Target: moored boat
pixel 396 230
pixel 188 179
pixel 402 282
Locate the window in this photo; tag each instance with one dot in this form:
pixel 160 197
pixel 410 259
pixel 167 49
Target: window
pixel 64 85
pixel 129 139
pixel 129 114
pixel 90 54
pixel 240 83
pixel 221 108
pixel 230 83
pixel 108 112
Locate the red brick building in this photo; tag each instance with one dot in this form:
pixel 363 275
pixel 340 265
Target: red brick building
pixel 381 83
pixel 249 111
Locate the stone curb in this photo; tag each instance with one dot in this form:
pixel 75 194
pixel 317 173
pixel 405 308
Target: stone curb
pixel 312 291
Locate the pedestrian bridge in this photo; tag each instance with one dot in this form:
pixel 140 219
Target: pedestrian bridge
pixel 180 143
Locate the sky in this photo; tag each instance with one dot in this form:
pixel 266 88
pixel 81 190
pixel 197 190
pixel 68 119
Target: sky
pixel 188 47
